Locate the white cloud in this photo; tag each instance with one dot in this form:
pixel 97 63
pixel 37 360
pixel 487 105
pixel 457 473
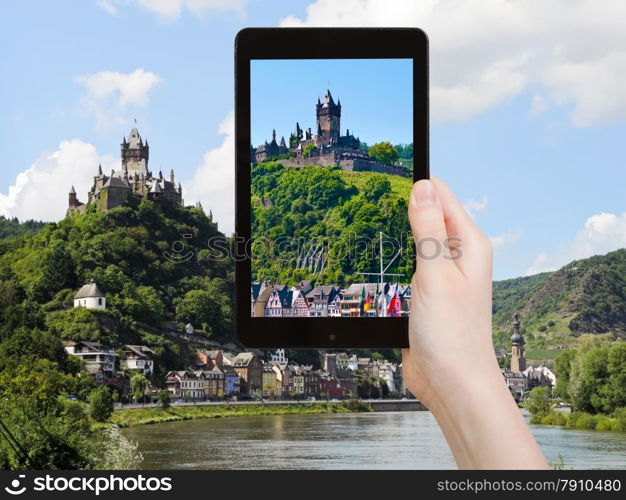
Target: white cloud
pixel 213 183
pixel 107 6
pixel 483 53
pixel 505 238
pixel 40 192
pixel 171 10
pixel 474 207
pixel 109 95
pixel 600 234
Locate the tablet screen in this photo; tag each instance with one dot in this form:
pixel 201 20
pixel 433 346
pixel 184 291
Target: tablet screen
pixel 331 172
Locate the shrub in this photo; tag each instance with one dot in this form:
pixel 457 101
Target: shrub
pixel 619 422
pixel 164 399
pixel 100 404
pixel 586 421
pixel 554 418
pixel 603 423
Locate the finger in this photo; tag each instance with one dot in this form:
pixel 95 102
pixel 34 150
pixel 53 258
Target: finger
pixel 471 249
pixel 429 228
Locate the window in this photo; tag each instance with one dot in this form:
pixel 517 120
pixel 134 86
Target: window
pixel 100 302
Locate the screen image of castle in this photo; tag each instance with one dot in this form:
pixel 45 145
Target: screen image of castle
pixel 327 147
pixel 332 186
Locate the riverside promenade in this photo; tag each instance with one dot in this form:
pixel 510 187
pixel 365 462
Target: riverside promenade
pixel 378 405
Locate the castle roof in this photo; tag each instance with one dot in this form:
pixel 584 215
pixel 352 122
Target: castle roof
pixel 72 191
pixel 328 100
pixel 156 187
pixel 116 182
pixel 89 290
pixel 134 139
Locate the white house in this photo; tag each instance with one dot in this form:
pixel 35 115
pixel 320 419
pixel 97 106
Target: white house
pixel 279 357
pixel 138 357
pixel 90 296
pixel 99 360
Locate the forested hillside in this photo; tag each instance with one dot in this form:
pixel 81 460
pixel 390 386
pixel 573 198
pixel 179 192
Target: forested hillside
pixel 325 207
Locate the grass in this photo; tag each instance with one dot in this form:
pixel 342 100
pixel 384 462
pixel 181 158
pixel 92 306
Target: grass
pixel 583 421
pixel 143 416
pixel 400 186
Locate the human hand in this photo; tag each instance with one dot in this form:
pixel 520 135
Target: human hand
pixel 451 365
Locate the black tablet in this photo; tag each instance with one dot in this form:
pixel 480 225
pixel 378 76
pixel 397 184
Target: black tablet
pixel 331 133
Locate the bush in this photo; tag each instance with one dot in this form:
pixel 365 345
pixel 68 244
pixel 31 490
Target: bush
pixel 603 423
pixel 619 423
pixel 554 418
pixel 586 421
pixel 100 404
pixel 165 399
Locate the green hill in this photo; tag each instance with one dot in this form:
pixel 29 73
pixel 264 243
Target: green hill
pixel 149 297
pixel 585 296
pixel 330 213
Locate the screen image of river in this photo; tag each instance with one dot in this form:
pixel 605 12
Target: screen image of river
pixel 387 440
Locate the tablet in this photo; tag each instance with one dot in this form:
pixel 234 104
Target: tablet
pixel 331 133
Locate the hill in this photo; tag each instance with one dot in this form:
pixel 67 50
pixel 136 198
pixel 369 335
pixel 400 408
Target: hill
pixel 149 296
pixel 329 222
pixel 585 296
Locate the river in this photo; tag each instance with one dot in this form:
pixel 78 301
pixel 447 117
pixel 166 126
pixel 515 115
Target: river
pixel 394 440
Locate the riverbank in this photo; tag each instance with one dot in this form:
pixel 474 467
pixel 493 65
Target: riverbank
pixel 129 417
pixel 583 421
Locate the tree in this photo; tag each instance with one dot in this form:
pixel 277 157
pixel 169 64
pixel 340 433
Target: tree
pixel 308 149
pixel 164 399
pixel 100 404
pixel 384 152
pixel 199 306
pixel 538 401
pixel 138 386
pixel 375 187
pixel 563 368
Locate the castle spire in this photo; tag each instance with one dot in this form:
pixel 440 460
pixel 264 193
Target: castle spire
pixel 172 176
pixel 72 191
pixel 180 188
pixel 273 135
pixel 100 169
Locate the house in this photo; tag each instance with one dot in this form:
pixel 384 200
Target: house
pixel 540 376
pixel 279 302
pixel 278 356
pixel 213 382
pixel 299 306
pixel 347 361
pixel 515 381
pixel 99 360
pixel 250 369
pixel 311 381
pixel 184 384
pixel 368 367
pixel 347 380
pixel 231 381
pixel 272 387
pixel 387 371
pixel 321 298
pixel 331 387
pixel 207 360
pixel 138 357
pixel 91 297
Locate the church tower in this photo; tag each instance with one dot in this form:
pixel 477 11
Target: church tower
pixel 135 154
pixel 518 362
pixel 328 119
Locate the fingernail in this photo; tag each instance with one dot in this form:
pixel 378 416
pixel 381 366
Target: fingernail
pixel 424 193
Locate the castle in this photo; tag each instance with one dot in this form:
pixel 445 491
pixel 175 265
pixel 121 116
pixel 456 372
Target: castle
pixel 133 180
pixel 327 147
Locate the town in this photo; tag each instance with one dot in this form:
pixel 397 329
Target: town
pixel 305 300
pixel 221 375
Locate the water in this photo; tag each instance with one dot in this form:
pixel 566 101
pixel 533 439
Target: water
pixel 395 440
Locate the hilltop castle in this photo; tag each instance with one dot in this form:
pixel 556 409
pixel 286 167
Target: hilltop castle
pixel 327 147
pixel 133 180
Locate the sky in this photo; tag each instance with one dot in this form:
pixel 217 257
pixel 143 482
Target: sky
pixel 528 106
pixel 376 97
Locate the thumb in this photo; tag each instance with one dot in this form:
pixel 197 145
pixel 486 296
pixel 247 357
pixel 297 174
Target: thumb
pixel 428 225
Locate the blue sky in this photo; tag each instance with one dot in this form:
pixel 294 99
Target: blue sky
pixel 528 115
pixel 375 94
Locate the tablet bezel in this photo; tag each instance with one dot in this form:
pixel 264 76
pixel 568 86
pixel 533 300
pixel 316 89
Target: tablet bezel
pixel 317 43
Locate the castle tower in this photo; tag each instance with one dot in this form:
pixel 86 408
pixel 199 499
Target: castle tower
pixel 135 153
pixel 73 200
pixel 328 119
pixel 518 362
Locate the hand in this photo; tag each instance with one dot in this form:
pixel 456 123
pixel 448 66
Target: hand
pixel 451 365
